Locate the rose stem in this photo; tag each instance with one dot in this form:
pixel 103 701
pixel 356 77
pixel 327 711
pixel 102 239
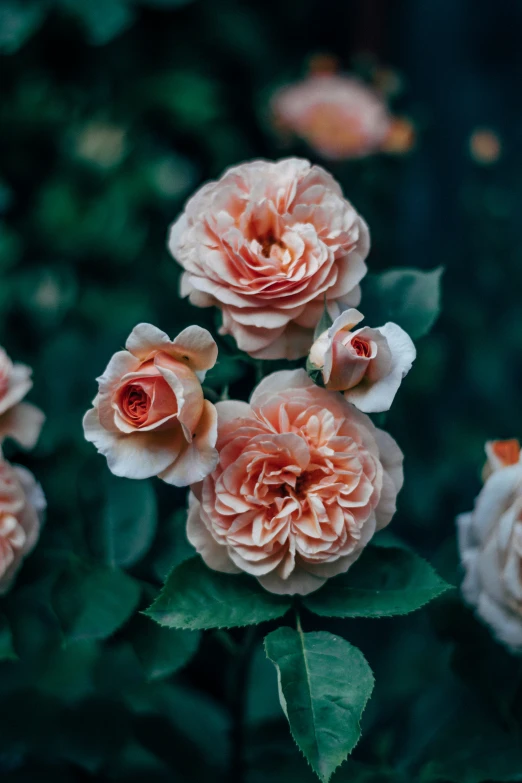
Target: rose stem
pixel 239 683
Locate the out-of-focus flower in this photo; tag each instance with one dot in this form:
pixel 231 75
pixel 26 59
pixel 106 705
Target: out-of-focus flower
pixel 485 146
pixel 149 417
pixel 266 244
pixel 500 454
pixel 18 420
pixel 368 365
pixel 101 143
pixel 400 137
pixel 338 116
pixel 22 505
pixel 303 482
pixel 490 542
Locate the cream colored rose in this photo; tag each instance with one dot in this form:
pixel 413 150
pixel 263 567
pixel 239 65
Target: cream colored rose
pixel 150 417
pixel 267 244
pixel 490 543
pixel 303 482
pixel 368 365
pixel 22 505
pixel 18 420
pixel 338 116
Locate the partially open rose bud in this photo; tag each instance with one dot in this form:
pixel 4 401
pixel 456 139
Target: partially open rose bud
pixel 18 420
pixel 150 417
pixel 367 365
pixel 22 504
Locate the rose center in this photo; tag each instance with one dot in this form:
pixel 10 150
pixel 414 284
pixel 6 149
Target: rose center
pixel 268 241
pixel 135 403
pixel 361 347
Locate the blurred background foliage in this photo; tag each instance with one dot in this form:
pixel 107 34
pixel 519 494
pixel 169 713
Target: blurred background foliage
pixel 112 113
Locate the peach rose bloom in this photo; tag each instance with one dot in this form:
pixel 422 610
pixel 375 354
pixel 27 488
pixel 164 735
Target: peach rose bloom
pixel 338 116
pixel 303 482
pixel 368 365
pixel 266 244
pixel 150 417
pixel 490 543
pixel 22 505
pixel 18 420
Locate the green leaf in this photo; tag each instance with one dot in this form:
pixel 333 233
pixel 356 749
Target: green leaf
pixel 315 373
pixel 324 685
pixel 93 602
pixel 383 582
pixel 195 597
pixel 162 651
pixel 171 546
pixel 408 297
pixel 7 651
pixel 122 531
pixel 325 322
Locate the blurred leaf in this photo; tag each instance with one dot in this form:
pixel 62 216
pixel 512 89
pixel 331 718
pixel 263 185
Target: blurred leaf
pixel 171 546
pixel 92 732
pixel 324 685
pixel 473 748
pixel 383 582
pixel 162 651
pixel 122 530
pixel 103 19
pixel 192 98
pixel 18 21
pixel 195 597
pixel 7 651
pixel 184 727
pixel 93 602
pixel 408 297
pixel 227 370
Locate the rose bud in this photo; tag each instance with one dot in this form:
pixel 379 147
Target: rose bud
pixel 22 505
pixel 18 420
pixel 490 544
pixel 150 417
pixel 367 365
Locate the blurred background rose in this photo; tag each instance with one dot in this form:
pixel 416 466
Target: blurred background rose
pixel 112 114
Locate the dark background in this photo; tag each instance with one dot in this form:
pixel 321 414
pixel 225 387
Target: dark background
pixel 112 114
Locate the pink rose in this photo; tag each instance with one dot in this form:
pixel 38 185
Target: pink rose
pixel 338 116
pixel 18 420
pixel 303 482
pixel 266 244
pixel 150 417
pixel 22 505
pixel 368 365
pixel 490 543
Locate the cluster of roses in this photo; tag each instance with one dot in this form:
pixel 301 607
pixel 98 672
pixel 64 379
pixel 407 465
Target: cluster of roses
pixel 22 502
pixel 291 486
